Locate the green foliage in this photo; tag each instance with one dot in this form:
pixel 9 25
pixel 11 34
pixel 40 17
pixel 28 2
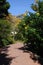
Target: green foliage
pixel 31 28
pixel 5 30
pixel 4 6
pixel 5 25
pixel 21 28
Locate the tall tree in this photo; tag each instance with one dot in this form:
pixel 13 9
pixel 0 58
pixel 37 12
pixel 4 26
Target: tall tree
pixel 4 6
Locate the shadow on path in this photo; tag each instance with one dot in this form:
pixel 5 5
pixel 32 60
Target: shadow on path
pixel 36 58
pixel 4 59
pixel 33 55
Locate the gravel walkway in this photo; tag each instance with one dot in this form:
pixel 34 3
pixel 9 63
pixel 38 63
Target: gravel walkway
pixel 16 56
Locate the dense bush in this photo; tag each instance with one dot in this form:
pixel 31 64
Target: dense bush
pixel 5 25
pixel 22 27
pixel 5 30
pixel 31 28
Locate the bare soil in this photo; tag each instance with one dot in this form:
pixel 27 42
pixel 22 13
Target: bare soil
pixel 14 55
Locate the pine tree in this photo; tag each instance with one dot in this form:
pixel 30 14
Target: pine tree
pixel 4 6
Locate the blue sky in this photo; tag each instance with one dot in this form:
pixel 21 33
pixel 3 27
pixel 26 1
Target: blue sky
pixel 20 6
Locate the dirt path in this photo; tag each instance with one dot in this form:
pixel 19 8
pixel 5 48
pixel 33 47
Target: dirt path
pixel 18 56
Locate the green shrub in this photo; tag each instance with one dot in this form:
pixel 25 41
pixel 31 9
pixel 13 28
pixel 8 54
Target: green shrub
pixel 31 27
pixel 4 42
pixel 5 30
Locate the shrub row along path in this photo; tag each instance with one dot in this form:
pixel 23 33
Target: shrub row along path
pixel 14 55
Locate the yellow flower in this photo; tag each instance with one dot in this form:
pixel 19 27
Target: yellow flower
pixel 26 27
pixel 37 14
